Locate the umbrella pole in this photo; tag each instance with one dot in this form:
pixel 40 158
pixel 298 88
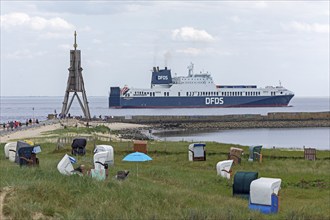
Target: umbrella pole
pixel 137 173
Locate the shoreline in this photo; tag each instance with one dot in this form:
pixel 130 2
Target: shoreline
pixel 142 127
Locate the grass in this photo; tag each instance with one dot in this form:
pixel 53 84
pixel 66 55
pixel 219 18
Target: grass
pixel 168 187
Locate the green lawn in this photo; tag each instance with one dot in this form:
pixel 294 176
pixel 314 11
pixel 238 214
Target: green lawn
pixel 168 187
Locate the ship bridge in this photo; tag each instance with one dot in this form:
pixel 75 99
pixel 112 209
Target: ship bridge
pixel 201 78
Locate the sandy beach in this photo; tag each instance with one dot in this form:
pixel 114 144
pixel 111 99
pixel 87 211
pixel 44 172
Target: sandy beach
pixel 38 131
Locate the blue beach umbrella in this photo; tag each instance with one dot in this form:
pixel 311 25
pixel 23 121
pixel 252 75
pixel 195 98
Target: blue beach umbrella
pixel 137 157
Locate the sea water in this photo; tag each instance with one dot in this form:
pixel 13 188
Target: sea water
pixel 295 138
pixel 22 108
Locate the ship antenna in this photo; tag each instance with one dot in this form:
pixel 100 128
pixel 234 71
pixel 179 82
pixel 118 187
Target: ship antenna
pixel 191 69
pixel 280 82
pixel 75 40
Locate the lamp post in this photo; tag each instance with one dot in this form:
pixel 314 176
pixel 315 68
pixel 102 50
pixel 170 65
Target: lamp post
pixel 33 113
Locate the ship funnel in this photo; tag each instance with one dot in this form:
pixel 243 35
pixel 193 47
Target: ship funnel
pixel 154 69
pixel 165 67
pixel 157 68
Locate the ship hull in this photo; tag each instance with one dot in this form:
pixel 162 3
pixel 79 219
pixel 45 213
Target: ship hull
pixel 199 102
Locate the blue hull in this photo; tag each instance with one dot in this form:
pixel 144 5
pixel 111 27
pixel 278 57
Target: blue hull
pixel 198 102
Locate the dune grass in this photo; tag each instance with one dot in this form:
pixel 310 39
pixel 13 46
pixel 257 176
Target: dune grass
pixel 168 187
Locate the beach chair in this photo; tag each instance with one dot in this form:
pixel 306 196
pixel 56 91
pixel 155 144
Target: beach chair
pixel 235 154
pixel 11 146
pixel 110 156
pixel 100 161
pixel 264 195
pixel 65 166
pixel 78 146
pixel 140 146
pixel 224 168
pixel 27 157
pixel 196 152
pixel 20 144
pixel 310 153
pixel 255 153
pixel 242 181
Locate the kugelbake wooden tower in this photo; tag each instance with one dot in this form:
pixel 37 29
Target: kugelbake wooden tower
pixel 75 83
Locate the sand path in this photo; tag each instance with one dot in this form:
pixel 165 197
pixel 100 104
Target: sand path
pixel 37 131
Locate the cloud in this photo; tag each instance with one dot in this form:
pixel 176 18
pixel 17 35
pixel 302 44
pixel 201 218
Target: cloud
pixel 96 41
pixel 18 19
pixel 25 53
pixel 97 63
pixel 261 4
pixel 305 27
pixel 191 34
pixel 190 51
pixel 235 19
pixel 65 47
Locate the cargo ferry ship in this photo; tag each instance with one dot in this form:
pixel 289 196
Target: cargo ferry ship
pixel 196 91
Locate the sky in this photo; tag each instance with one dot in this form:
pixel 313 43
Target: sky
pixel 261 43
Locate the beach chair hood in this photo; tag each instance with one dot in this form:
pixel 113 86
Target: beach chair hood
pixel 262 189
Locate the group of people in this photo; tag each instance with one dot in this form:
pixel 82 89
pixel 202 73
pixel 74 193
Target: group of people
pixel 11 125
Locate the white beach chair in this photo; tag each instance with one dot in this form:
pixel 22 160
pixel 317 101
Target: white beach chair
pixel 64 166
pixel 264 194
pixel 102 148
pixel 101 160
pixel 224 168
pixel 11 146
